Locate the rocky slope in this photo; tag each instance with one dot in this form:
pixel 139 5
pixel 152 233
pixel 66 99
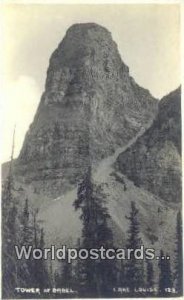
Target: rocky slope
pixel 157 218
pixel 90 106
pixel 154 161
pixel 62 224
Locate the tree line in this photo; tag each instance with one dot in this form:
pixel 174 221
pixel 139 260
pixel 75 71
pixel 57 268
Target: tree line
pixel 89 278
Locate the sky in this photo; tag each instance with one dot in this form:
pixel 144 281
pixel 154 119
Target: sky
pixel 147 35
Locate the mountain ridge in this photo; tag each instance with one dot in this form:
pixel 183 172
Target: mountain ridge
pixel 154 161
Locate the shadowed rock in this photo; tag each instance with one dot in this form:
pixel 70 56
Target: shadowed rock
pixel 154 161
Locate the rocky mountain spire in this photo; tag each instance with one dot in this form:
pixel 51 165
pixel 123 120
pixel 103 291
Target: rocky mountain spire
pixel 90 106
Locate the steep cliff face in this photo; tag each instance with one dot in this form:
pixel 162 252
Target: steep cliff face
pixel 154 161
pixel 90 107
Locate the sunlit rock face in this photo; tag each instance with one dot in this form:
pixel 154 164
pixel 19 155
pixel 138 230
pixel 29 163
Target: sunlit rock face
pixel 154 161
pixel 90 106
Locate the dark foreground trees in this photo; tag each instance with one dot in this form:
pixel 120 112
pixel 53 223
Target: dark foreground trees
pixel 134 267
pixel 165 276
pixel 9 237
pixel 89 278
pixel 97 277
pixel 178 272
pixel 20 228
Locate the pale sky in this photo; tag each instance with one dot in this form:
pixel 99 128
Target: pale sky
pixel 147 35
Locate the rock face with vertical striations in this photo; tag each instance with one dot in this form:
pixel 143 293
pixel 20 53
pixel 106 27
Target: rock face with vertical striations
pixel 154 161
pixel 90 106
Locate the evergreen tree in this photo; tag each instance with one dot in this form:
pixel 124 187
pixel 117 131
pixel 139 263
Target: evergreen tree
pixel 150 274
pixel 179 256
pixel 51 275
pixel 9 239
pixel 84 195
pixel 36 228
pixel 66 275
pixel 96 277
pixel 150 278
pixel 134 267
pixel 17 229
pixel 121 274
pixel 33 272
pixel 26 269
pixel 165 277
pixel 106 270
pixel 9 234
pixel 79 273
pixel 57 279
pixel 40 267
pixel 27 231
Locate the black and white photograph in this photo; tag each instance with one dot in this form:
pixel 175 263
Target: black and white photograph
pixel 91 181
